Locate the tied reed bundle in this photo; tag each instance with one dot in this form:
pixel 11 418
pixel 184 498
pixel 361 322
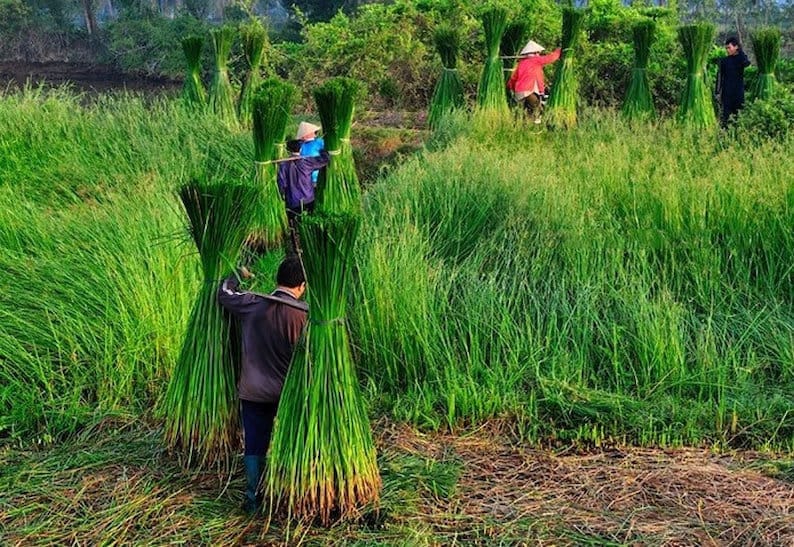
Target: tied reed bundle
pixel 271 107
pixel 254 39
pixel 322 461
pixel 201 416
pixel 514 37
pixel 564 92
pixel 193 92
pixel 448 94
pixel 221 96
pixel 766 45
pixel 639 101
pixel 491 93
pixel 337 187
pixel 696 107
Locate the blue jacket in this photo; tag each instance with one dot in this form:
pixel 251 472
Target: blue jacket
pixel 312 149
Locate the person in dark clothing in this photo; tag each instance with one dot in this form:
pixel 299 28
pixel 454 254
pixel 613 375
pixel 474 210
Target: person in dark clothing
pixel 270 326
pixel 730 80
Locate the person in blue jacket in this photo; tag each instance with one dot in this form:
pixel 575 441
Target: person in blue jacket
pixel 311 144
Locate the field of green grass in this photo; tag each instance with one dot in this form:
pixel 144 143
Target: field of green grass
pixel 613 285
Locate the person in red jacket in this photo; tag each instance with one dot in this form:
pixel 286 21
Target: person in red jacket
pixel 526 81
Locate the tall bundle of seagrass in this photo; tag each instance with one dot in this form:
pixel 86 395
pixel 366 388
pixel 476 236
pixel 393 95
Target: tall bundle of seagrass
pixel 696 107
pixel 254 38
pixel 448 94
pixel 337 187
pixel 322 461
pixel 766 46
pixel 272 104
pixel 200 407
pixel 491 94
pixel 513 40
pixel 193 92
pixel 221 96
pixel 561 110
pixel 638 103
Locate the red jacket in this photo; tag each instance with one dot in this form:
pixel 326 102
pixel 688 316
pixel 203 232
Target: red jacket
pixel 529 71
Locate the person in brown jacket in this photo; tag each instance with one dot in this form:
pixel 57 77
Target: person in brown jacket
pixel 270 326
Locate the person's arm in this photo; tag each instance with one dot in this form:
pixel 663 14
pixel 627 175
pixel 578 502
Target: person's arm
pixel 745 62
pixel 296 323
pixel 236 302
pixel 314 163
pixel 551 57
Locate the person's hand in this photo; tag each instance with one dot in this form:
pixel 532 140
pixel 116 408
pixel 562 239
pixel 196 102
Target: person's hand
pixel 245 273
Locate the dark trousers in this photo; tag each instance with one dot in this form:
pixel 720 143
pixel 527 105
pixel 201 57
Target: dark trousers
pixel 728 110
pixel 532 105
pixel 257 426
pixel 294 217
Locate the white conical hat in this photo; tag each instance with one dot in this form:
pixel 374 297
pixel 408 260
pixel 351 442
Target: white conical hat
pixel 532 47
pixel 306 129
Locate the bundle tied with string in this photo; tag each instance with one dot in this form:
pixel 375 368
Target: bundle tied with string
pixel 638 103
pixel 193 92
pixel 561 111
pixel 221 95
pixel 254 38
pixel 513 39
pixel 766 46
pixel 322 460
pixel 448 94
pixel 491 94
pixel 200 405
pixel 337 186
pixel 696 107
pixel 271 105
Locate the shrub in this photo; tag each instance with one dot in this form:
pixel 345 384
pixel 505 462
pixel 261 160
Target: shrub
pixel 771 118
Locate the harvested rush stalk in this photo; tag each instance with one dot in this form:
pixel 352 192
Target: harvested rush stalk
pixel 766 46
pixel 448 94
pixel 564 93
pixel 639 101
pixel 322 461
pixel 271 104
pixel 337 187
pixel 201 417
pixel 221 96
pixel 696 107
pixel 254 38
pixel 193 92
pixel 491 94
pixel 514 37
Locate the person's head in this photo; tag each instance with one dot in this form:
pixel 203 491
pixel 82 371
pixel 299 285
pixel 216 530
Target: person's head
pixel 732 45
pixel 307 131
pixel 294 146
pixel 290 276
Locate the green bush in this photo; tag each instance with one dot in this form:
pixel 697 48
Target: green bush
pixel 770 119
pixel 13 16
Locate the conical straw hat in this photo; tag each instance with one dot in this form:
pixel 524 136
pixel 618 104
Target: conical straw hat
pixel 306 129
pixel 532 47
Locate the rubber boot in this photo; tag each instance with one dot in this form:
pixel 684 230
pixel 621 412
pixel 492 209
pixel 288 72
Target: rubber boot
pixel 252 500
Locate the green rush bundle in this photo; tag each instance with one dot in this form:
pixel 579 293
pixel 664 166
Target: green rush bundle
pixel 766 46
pixel 271 105
pixel 638 103
pixel 561 111
pixel 696 107
pixel 513 40
pixel 491 93
pixel 254 39
pixel 337 187
pixel 448 94
pixel 221 96
pixel 193 91
pixel 200 407
pixel 322 461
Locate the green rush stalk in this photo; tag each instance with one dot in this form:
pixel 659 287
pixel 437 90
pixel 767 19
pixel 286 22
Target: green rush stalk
pixel 766 46
pixel 638 103
pixel 448 94
pixel 513 39
pixel 271 107
pixel 564 93
pixel 491 93
pixel 322 461
pixel 201 416
pixel 337 187
pixel 193 92
pixel 696 107
pixel 221 96
pixel 254 39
